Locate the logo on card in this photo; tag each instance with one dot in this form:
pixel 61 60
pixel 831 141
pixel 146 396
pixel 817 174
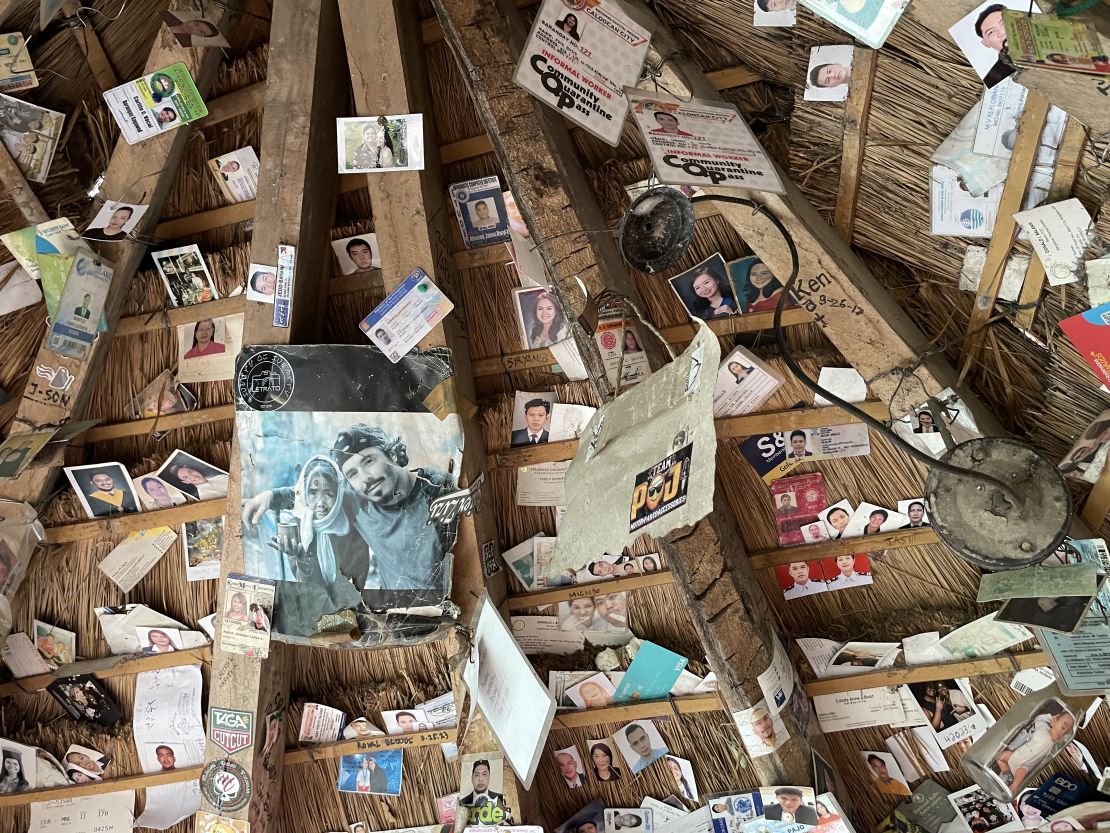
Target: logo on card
pixel 225 785
pixel 265 381
pixel 660 489
pixel 230 730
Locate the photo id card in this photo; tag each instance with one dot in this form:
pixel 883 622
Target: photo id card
pixel 80 307
pixel 480 210
pixel 411 311
pixel 155 103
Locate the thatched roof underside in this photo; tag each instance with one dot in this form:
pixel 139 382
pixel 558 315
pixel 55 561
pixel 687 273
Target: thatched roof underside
pixel 1043 394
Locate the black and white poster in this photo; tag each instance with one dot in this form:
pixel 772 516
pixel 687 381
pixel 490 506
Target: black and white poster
pixel 341 461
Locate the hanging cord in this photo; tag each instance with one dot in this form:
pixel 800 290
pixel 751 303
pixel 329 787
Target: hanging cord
pixel 800 375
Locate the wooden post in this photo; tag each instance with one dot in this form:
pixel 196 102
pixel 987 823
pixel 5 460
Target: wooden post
pixel 1005 227
pixel 857 112
pixel 297 189
pixel 89 43
pixel 533 147
pixel 141 173
pixel 411 218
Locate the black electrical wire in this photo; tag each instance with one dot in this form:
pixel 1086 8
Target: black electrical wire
pixel 801 376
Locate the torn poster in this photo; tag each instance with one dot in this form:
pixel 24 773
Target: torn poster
pixel 341 466
pixel 646 461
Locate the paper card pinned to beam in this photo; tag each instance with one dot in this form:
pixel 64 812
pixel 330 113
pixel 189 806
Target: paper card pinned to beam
pixel 646 462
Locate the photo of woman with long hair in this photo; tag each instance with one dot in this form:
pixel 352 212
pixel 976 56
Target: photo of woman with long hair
pixel 601 759
pixel 757 287
pixel 705 291
pixel 12 779
pixel 541 318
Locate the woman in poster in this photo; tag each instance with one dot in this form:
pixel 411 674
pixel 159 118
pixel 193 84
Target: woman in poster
pixel 204 340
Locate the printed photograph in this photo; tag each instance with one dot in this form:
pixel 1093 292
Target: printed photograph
pixel 569 763
pixel 405 721
pixel 484 774
pixel 31 134
pixel 20 448
pixel 357 254
pixel 1062 614
pixel 914 509
pixel 185 275
pixel 203 545
pixel 83 764
pixel 594 692
pixel 705 291
pixel 775 12
pixel 261 283
pixel 193 29
pixel 640 745
pixel 791 804
pixel 193 477
pixel 815 532
pixel 860 655
pixel 625 818
pixel 55 645
pixel 540 317
pixel 682 771
pixel 236 174
pixel 114 222
pixel 1087 447
pixel 103 489
pixel 886 775
pixel 531 418
pixel 980 812
pixel 829 72
pixel 757 288
pixel 590 819
pixel 603 766
pixel 370 145
pixel 206 349
pixel 18 769
pixel 376 773
pixel 869 519
pixel 85 698
pixel 155 493
pixel 163 396
pixel 761 731
pixel 849 570
pixel 943 703
pixel 159 640
pixel 800 578
pixel 981 36
pixel 836 518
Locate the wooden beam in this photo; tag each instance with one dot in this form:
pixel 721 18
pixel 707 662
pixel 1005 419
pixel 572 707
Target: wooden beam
pixel 297 186
pixel 899 539
pixel 108 785
pixel 138 427
pixel 582 591
pixel 144 172
pixel 1068 158
pixel 752 322
pixel 530 455
pixel 106 668
pixel 89 44
pixel 16 187
pixel 1005 227
pixel 103 528
pixel 687 704
pixel 857 111
pixel 729 77
pixel 330 751
pixel 904 675
pixel 238 103
pixel 465 149
pixel 770 422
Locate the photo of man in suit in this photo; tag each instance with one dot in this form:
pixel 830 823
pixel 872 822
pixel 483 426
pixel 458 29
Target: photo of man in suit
pixel 992 34
pixel 480 794
pixel 536 414
pixel 83 311
pixel 790 807
pixel 798 449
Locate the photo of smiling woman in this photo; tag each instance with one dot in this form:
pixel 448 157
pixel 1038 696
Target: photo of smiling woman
pixel 540 317
pixel 601 759
pixel 757 288
pixel 705 291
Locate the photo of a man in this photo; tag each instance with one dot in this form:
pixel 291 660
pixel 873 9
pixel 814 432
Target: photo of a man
pixel 786 505
pixel 841 572
pixel 166 758
pixel 357 254
pixel 109 224
pixel 916 513
pixel 84 311
pixel 788 807
pixel 640 744
pixel 103 489
pixel 668 124
pixel 798 450
pixel 480 794
pixel 569 769
pixel 803 579
pixel 883 780
pixel 830 75
pixel 537 413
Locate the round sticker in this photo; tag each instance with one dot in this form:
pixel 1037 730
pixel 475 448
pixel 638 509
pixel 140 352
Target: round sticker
pixel 265 381
pixel 226 785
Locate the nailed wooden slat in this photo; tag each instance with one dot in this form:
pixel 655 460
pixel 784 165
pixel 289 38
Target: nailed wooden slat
pixel 138 427
pixel 898 539
pixel 328 751
pixel 1005 227
pixel 582 591
pixel 149 321
pixel 124 524
pixel 107 667
pixel 530 455
pixel 769 422
pixel 91 47
pixel 927 673
pixel 108 785
pixel 228 106
pixel 752 322
pixel 857 110
pixel 688 704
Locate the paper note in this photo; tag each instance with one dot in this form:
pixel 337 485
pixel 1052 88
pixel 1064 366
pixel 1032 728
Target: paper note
pixel 542 635
pixel 981 638
pixel 134 556
pixel 1098 281
pixel 104 813
pixel 1013 275
pixel 1058 232
pixel 542 484
pixel 1039 580
pixel 858 709
pixel 869 23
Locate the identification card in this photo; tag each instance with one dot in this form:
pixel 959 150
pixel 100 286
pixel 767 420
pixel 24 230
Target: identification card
pixel 411 311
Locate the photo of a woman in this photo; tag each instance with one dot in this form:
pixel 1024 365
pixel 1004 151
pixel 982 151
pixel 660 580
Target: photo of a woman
pixel 925 424
pixel 738 371
pixel 110 227
pixel 540 316
pixel 237 608
pixel 875 522
pixel 705 291
pixel 376 150
pixel 757 287
pixel 631 343
pixel 158 642
pixel 154 494
pixel 12 779
pixel 204 340
pixel 648 565
pixel 569 26
pixel 601 757
pixel 685 789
